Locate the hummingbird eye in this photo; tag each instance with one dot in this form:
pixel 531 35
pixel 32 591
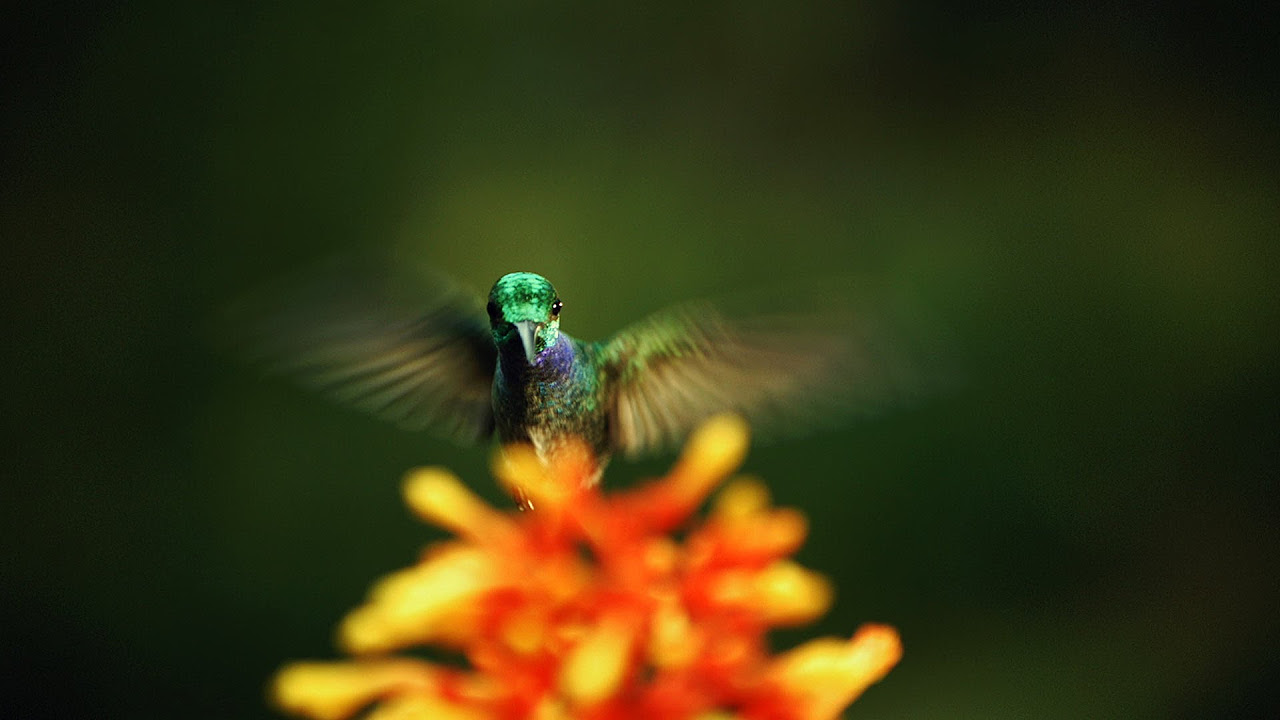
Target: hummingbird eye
pixel 494 312
pixel 555 308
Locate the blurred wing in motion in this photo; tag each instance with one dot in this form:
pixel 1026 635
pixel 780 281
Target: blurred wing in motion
pixel 783 372
pixel 419 354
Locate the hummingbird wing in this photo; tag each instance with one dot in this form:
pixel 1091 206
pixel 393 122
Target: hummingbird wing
pixel 419 354
pixel 782 372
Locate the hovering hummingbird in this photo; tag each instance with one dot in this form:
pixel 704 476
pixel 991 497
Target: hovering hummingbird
pixel 468 373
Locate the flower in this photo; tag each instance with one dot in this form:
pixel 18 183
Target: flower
pixel 586 606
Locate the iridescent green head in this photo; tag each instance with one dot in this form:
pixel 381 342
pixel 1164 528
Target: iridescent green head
pixel 524 305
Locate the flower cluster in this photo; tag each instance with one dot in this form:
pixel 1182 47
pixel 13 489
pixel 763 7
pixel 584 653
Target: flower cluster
pixel 586 607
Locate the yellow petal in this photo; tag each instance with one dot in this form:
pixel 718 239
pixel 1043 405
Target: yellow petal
pixel 333 691
pixel 742 498
pixel 597 665
pixel 423 602
pixel 525 631
pixel 520 470
pixel 423 708
pixel 673 640
pixel 439 497
pixel 788 594
pixel 771 533
pixel 713 451
pixel 829 673
pixel 551 708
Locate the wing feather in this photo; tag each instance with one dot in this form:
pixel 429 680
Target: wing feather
pixel 672 370
pixel 422 358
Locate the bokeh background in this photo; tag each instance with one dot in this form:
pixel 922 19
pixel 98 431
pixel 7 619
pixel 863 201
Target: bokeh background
pixel 1083 198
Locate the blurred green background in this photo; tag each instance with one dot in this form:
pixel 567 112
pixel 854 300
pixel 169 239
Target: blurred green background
pixel 1084 198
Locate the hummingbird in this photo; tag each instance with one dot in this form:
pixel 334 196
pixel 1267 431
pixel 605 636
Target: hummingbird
pixel 469 372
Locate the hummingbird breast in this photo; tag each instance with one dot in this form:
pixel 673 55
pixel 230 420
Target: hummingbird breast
pixel 557 398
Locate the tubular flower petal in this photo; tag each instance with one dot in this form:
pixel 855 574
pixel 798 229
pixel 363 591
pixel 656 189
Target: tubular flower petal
pixel 584 607
pixel 438 497
pixel 829 674
pixel 597 665
pixel 331 691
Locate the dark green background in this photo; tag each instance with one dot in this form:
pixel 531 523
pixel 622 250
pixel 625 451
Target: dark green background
pixel 1084 199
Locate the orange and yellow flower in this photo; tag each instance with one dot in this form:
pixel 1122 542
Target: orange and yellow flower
pixel 587 608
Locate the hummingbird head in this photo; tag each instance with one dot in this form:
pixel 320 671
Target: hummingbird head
pixel 524 305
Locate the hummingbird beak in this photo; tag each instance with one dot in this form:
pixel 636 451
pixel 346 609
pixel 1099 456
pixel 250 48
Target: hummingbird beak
pixel 529 330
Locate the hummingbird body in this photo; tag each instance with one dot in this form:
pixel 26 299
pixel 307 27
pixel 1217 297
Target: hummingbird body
pixel 439 364
pixel 557 396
